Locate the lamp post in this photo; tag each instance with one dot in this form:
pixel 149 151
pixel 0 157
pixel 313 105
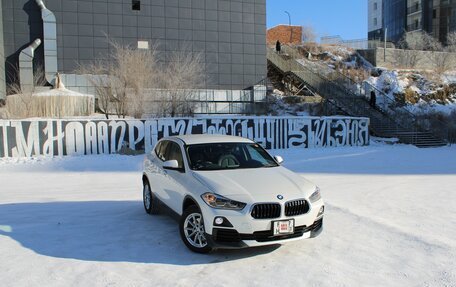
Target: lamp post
pixel 289 24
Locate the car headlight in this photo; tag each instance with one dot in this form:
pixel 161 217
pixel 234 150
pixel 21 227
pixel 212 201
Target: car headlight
pixel 316 196
pixel 218 201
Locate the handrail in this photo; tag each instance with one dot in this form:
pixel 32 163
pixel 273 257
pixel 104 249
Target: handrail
pixel 389 105
pixel 350 82
pixel 343 98
pixel 321 83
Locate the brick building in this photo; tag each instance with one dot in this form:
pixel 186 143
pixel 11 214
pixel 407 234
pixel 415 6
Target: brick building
pixel 286 34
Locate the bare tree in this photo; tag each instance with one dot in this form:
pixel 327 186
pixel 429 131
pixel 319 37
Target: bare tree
pixel 122 80
pixel 308 34
pixel 135 78
pixel 411 46
pixel 442 61
pixel 20 103
pixel 181 75
pixel 414 41
pixel 451 42
pixel 134 71
pixel 406 58
pixel 441 57
pixel 97 75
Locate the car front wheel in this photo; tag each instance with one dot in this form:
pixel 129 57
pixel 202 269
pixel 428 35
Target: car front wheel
pixel 192 230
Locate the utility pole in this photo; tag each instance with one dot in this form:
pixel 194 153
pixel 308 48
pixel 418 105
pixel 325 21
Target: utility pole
pixel 384 48
pixel 291 29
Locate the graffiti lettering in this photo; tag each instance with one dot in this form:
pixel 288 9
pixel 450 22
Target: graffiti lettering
pixel 60 137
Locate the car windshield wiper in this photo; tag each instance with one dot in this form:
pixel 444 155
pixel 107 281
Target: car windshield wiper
pixel 270 165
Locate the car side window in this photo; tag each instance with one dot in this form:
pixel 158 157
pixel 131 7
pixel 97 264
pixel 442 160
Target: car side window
pixel 174 153
pixel 160 150
pixel 157 148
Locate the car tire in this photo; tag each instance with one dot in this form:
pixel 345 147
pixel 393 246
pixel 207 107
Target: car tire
pixel 191 227
pixel 149 199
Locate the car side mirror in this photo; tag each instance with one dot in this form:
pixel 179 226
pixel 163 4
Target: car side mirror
pixel 171 164
pixel 278 159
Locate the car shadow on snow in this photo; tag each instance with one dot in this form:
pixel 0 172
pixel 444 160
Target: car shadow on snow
pixel 108 231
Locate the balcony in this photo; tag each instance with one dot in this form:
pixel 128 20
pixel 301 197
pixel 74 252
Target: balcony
pixel 414 9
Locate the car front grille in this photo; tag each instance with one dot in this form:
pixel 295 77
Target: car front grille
pixel 266 211
pixel 296 207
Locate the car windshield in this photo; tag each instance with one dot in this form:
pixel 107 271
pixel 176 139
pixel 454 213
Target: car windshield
pixel 220 156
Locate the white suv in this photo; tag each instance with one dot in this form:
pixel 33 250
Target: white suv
pixel 229 193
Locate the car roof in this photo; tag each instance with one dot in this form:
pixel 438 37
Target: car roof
pixel 205 138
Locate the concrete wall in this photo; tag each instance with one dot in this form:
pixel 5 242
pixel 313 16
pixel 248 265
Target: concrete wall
pixel 84 137
pixel 397 58
pixel 231 34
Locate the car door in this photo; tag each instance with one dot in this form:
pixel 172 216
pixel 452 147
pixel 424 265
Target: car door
pixel 154 169
pixel 174 180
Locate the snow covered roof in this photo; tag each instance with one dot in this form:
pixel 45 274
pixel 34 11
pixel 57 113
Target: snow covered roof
pixel 60 92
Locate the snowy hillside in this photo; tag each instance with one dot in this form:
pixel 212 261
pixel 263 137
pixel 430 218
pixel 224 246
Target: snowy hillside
pixel 79 221
pixel 420 95
pixel 421 92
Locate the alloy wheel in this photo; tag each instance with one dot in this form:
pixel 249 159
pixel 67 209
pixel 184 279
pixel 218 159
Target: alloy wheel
pixel 194 230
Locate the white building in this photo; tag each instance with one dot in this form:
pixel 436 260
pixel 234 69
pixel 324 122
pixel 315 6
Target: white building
pixel 375 19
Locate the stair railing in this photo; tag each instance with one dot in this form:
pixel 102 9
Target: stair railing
pixel 385 105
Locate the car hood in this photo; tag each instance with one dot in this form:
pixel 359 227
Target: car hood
pixel 256 185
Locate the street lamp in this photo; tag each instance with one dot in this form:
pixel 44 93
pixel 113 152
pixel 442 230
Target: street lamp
pixel 289 24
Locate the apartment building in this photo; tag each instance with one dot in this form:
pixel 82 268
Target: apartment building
pixel 436 17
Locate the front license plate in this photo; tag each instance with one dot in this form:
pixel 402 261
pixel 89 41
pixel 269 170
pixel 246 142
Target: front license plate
pixel 283 227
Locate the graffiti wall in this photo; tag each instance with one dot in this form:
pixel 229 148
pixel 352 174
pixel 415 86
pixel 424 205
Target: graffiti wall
pixel 86 137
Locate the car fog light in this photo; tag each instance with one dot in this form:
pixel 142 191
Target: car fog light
pixel 322 210
pixel 218 220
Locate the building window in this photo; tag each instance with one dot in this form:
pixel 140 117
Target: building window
pixel 143 45
pixel 434 13
pixel 375 7
pixel 375 21
pixel 136 5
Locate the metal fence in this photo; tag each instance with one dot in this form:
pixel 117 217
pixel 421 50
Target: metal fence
pixel 356 44
pixel 245 102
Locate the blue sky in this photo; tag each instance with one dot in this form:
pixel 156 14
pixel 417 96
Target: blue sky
pixel 347 18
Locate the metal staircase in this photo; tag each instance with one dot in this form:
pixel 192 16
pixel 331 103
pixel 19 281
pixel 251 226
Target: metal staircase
pixel 386 120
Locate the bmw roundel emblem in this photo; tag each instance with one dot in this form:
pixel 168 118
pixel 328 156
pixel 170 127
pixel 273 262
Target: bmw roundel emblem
pixel 280 196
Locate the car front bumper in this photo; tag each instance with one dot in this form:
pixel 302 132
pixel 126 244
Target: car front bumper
pixel 244 231
pixel 225 238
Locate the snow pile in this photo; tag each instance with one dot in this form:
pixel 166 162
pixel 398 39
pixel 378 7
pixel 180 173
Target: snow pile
pixel 282 105
pixel 389 83
pixel 417 93
pixel 432 107
pixel 79 221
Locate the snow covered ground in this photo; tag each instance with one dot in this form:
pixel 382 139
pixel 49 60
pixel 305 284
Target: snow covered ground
pixel 79 221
